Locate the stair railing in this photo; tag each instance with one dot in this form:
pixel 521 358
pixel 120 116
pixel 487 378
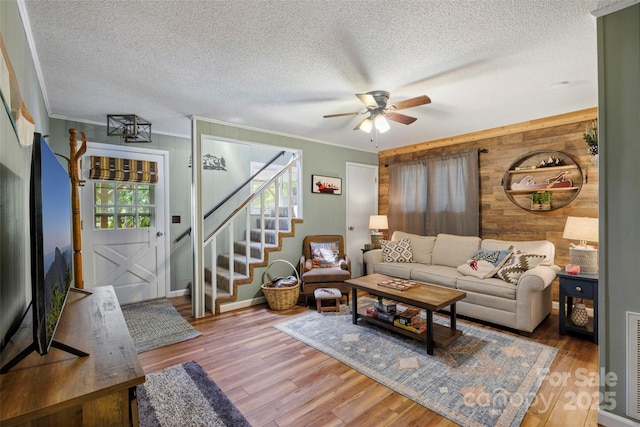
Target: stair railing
pixel 233 193
pixel 245 206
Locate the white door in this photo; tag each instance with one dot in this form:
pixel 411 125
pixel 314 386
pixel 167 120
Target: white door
pixel 362 201
pixel 123 232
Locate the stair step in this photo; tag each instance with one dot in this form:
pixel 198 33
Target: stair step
pixel 255 249
pixel 270 224
pixel 269 236
pixel 220 294
pixel 240 264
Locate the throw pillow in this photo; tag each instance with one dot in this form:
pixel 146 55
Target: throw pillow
pixel 485 263
pixel 325 254
pixel 518 263
pixel 397 251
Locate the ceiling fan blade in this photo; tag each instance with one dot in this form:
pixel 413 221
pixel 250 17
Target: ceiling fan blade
pixel 408 103
pixel 400 118
pixel 343 114
pixel 368 100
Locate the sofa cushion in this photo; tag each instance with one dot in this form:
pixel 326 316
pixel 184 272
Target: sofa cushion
pixel 325 254
pixel 435 274
pixel 541 247
pixel 329 274
pixel 421 246
pixel 518 263
pixel 395 269
pixel 452 250
pixel 396 251
pixel 484 263
pixel 492 286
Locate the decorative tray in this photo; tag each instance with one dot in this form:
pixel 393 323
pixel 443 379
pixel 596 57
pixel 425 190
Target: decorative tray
pixel 398 284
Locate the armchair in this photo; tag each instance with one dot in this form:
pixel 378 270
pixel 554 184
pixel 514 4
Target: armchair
pixel 324 264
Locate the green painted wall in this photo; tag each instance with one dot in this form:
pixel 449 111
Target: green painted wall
pixel 619 123
pixel 323 214
pixel 15 164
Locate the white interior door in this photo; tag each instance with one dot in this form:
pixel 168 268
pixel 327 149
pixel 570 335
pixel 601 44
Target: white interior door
pixel 123 235
pixel 362 201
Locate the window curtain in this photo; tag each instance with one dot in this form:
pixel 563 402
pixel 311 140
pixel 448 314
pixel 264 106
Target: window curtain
pixel 128 170
pixel 439 194
pixel 407 198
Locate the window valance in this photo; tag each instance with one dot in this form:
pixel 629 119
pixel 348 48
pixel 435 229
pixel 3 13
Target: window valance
pixel 128 170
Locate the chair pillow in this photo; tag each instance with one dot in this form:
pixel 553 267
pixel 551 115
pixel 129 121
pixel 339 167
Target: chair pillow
pixel 397 251
pixel 518 263
pixel 325 254
pixel 485 263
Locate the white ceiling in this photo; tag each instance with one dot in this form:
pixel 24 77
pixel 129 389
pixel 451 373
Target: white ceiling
pixel 282 65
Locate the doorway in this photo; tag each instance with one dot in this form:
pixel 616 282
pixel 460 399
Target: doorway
pixel 362 201
pixel 124 227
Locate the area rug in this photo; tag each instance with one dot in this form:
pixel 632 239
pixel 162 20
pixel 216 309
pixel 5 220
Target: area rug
pixel 484 378
pixel 157 323
pixel 183 395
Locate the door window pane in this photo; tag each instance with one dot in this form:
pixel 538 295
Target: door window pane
pixel 123 206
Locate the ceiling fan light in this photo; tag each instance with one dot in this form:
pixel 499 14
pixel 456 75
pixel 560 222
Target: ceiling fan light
pixel 382 124
pixel 366 125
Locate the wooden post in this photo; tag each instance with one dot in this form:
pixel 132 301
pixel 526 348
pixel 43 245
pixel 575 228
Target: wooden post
pixel 74 159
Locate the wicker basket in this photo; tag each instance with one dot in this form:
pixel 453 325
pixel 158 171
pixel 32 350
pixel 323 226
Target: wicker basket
pixel 281 298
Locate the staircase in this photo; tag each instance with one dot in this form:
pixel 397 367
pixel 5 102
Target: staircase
pixel 243 266
pixel 265 217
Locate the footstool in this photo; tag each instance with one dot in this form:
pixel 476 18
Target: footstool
pixel 327 294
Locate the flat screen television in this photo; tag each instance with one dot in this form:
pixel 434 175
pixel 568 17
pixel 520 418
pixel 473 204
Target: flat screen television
pixel 51 255
pixel 51 248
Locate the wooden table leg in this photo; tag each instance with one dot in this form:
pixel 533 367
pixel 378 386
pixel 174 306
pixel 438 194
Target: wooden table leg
pixel 429 332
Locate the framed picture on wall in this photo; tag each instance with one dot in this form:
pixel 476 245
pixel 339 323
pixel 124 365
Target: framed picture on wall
pixel 321 184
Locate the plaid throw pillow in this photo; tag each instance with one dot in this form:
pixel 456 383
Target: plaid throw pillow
pixel 396 251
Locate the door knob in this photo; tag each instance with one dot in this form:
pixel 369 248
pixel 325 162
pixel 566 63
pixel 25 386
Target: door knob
pixel 351 228
pixel 159 234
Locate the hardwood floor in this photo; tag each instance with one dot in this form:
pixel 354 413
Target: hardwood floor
pixel 275 380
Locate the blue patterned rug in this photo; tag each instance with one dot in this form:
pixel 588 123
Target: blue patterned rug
pixel 485 378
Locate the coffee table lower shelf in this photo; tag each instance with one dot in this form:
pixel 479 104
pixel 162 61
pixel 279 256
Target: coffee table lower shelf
pixel 442 335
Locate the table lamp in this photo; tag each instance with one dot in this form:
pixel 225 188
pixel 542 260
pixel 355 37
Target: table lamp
pixel 377 223
pixel 585 230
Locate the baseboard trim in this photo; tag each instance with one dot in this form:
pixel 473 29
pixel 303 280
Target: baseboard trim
pixel 179 293
pixel 229 306
pixel 612 420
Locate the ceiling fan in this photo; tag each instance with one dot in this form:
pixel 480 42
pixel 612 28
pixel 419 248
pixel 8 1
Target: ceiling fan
pixel 376 104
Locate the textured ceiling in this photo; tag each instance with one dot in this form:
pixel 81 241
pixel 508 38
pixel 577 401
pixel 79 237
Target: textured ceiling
pixel 282 65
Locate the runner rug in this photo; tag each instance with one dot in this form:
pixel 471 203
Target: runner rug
pixel 156 323
pixel 484 378
pixel 183 395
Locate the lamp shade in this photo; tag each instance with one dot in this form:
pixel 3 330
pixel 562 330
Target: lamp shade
pixel 378 222
pixel 366 125
pixel 381 123
pixel 581 228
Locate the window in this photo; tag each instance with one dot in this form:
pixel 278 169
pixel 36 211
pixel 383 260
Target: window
pixel 123 205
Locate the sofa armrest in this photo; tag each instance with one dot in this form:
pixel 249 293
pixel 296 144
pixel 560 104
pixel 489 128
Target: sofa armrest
pixel 536 279
pixel 371 258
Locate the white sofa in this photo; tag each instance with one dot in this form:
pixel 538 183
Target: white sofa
pixel 436 260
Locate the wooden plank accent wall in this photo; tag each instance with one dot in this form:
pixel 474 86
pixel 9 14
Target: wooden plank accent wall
pixel 499 218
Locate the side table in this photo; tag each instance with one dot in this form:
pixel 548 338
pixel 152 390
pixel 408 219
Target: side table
pixel 583 286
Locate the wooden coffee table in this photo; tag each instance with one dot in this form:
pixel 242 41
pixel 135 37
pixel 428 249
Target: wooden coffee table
pixel 429 297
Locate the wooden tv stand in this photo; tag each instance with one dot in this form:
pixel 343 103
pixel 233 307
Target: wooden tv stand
pixel 62 389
